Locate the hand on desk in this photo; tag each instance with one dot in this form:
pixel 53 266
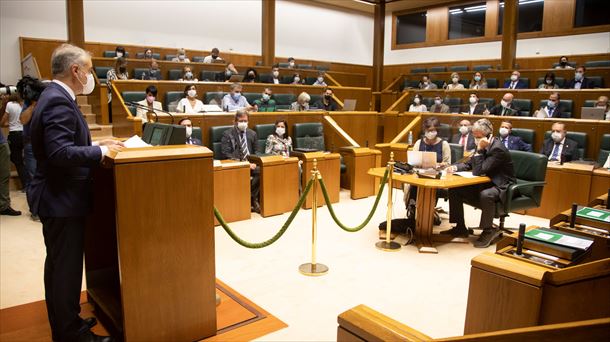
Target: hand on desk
pixel 451 169
pixel 110 142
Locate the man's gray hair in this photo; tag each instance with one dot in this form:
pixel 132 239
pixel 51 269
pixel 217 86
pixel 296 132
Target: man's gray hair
pixel 240 113
pixel 64 57
pixel 235 85
pixel 483 125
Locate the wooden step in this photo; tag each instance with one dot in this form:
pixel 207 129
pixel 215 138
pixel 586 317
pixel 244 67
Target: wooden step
pixel 100 131
pixel 90 118
pixel 82 100
pixel 85 108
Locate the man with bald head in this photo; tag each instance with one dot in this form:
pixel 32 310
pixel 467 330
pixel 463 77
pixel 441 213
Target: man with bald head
pixel 464 137
pixel 505 108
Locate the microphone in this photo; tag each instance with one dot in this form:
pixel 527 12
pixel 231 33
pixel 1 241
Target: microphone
pixel 573 215
pixel 520 238
pixel 135 104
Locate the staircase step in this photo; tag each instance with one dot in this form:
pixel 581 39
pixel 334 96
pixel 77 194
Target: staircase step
pixel 99 131
pixel 85 108
pixel 90 118
pixel 82 100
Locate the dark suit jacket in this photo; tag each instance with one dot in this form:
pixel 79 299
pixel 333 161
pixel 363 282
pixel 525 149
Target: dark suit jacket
pixel 568 153
pixel 61 143
pixel 497 110
pixel 231 145
pixel 332 105
pixel 520 84
pixel 586 84
pixel 516 143
pixel 194 141
pixel 557 113
pixel 494 162
pixel 470 144
pixel 478 109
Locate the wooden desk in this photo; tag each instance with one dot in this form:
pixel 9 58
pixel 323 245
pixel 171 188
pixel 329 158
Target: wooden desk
pixel 279 183
pixel 426 201
pixel 329 165
pixel 232 190
pixel 358 161
pixel 600 183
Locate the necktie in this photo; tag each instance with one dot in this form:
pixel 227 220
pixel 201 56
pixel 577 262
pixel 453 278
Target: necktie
pixel 555 151
pixel 551 112
pixel 513 85
pixel 463 141
pixel 244 146
pixel 505 142
pixel 503 111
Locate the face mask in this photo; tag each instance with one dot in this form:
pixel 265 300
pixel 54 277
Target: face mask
pixel 563 63
pixel 266 97
pixel 181 57
pixel 122 69
pixel 153 71
pixel 320 79
pixel 601 105
pixel 150 99
pixel 89 85
pixel 557 137
pixel 550 103
pixel 192 93
pixel 455 80
pixel 276 74
pixel 297 79
pixel 189 131
pixel 228 73
pixel 119 54
pixel 242 126
pixel 188 75
pixel 473 100
pixel 431 135
pixel 503 131
pixel 549 81
pixel 438 102
pixel 251 74
pixel 504 104
pixel 477 78
pixel 280 131
pixel 578 76
pixel 236 96
pixel 464 130
pixel 328 97
pixel 513 78
pixel 214 57
pixel 291 64
pixel 416 100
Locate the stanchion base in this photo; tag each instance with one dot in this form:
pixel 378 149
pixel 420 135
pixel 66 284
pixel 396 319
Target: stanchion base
pixel 388 246
pixel 313 270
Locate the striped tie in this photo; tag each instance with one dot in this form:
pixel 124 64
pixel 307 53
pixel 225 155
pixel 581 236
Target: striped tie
pixel 244 147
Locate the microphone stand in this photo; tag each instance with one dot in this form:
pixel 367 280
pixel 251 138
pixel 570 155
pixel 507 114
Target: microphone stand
pixel 135 104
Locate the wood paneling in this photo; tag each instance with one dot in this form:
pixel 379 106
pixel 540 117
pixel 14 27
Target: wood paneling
pixel 268 31
pixel 558 16
pixel 232 178
pixel 437 25
pixel 329 165
pixel 76 25
pixel 510 26
pixel 600 183
pixel 279 184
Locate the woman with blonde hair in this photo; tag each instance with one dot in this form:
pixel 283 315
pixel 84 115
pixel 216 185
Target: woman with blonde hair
pixel 302 103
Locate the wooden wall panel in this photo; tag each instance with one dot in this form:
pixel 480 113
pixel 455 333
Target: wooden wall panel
pixel 437 24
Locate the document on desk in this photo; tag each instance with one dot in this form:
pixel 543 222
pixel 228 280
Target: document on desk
pixel 559 238
pixel 465 174
pixel 134 142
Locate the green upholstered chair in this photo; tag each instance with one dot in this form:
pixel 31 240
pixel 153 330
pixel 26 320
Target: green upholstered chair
pixel 454 103
pixel 283 65
pixel 265 78
pixel 215 140
pixel 437 69
pixel 133 96
pixel 310 135
pixel 251 97
pixel 524 105
pixel 262 132
pixel 139 73
pixel 283 101
pixel 198 59
pixel 597 81
pixel 409 84
pixel 566 106
pixel 286 79
pixel 310 80
pixel 101 72
pixel 213 96
pixel 589 103
pixel 488 101
pixel 428 101
pixel 579 137
pixel 524 79
pixel 572 64
pixel 481 67
pixel 457 152
pixel 304 66
pixel 419 70
pixel 439 83
pixel 458 68
pixel 465 83
pixel 171 100
pixel 112 54
pixel 492 83
pixel 208 76
pixel 197 133
pixel 170 57
pixel 174 74
pixel 595 64
pixel 526 134
pixel 155 55
pixel 604 150
pixel 322 67
pixel 314 99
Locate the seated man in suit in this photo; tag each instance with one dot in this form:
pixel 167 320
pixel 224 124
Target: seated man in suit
pixel 327 102
pixel 505 108
pixel 439 106
pixel 493 160
pixel 558 147
pixel 426 83
pixel 579 81
pixel 512 142
pixel 474 107
pixel 515 81
pixel 464 137
pixel 186 122
pixel 552 109
pixel 237 143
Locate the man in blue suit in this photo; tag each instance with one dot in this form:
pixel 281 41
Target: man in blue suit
pixel 60 193
pixel 512 142
pixel 190 140
pixel 515 81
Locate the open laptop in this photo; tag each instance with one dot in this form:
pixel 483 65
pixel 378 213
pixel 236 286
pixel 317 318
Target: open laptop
pixel 421 160
pixel 592 113
pixel 236 78
pixel 349 105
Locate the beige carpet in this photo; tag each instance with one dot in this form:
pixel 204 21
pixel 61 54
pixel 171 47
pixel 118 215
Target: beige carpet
pixel 426 291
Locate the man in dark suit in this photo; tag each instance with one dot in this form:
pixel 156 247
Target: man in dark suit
pixel 515 82
pixel 464 137
pixel 558 147
pixel 512 142
pixel 552 108
pixel 505 108
pixel 60 193
pixel 579 81
pixel 238 143
pixel 190 140
pixel 493 160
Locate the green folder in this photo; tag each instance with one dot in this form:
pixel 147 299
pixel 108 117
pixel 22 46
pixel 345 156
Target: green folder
pixel 594 214
pixel 556 237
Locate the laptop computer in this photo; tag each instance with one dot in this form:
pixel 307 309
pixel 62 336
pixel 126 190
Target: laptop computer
pixel 349 105
pixel 422 160
pixel 236 78
pixel 592 113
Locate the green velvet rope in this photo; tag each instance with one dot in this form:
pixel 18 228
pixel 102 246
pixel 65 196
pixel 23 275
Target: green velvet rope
pixel 368 218
pixel 273 239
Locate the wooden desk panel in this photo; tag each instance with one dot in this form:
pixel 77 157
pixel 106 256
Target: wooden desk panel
pixel 358 162
pixel 329 165
pixel 600 183
pixel 232 191
pixel 279 187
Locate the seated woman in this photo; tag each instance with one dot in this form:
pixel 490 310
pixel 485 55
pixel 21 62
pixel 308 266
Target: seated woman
pixel 563 63
pixel 153 74
pixel 148 54
pixel 417 106
pixel 320 80
pixel 251 76
pixel 119 52
pixel 549 82
pixel 455 82
pixel 190 104
pixel 430 143
pixel 187 75
pixel 302 103
pixel 279 143
pixel 150 102
pixel 296 79
pixel 119 72
pixel 478 81
pixel 181 57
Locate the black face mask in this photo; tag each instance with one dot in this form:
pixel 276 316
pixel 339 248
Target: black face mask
pixel 328 97
pixel 563 63
pixel 122 69
pixel 251 75
pixel 214 57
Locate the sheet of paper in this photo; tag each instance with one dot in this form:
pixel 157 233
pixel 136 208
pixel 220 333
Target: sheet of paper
pixel 465 174
pixel 134 142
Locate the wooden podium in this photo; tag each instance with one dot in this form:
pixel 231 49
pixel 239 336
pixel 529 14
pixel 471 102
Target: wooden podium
pixel 149 249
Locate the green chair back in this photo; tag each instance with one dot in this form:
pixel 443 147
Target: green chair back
pixel 309 135
pixel 482 67
pixel 251 97
pixel 604 150
pixel 526 134
pixel 112 54
pixel 560 81
pixel 101 72
pixel 197 133
pixel 596 81
pixel 170 57
pixel 314 99
pixel 171 100
pixel 595 64
pixel 488 101
pixel 263 131
pixel 322 67
pixel 454 103
pixel 133 96
pixel 458 68
pixel 572 64
pixel 208 76
pixel 524 105
pixel 174 74
pixel 283 101
pixel 492 82
pixel 457 152
pixel 437 69
pixel 589 103
pixel 283 65
pixel 214 96
pixel 215 140
pixel 138 73
pixel 310 80
pixel 409 84
pixel 304 66
pixel 198 59
pixel 524 79
pixel 528 167
pixel 419 70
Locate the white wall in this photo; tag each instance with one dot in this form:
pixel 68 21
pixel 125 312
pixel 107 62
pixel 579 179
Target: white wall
pixel 28 18
pixel 552 46
pixel 320 32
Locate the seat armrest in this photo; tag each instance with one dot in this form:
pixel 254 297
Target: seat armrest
pixel 511 191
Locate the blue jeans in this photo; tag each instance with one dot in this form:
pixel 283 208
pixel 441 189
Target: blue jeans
pixel 29 162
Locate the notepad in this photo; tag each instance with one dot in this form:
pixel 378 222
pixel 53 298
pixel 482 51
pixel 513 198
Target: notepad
pixel 465 174
pixel 135 142
pixel 595 214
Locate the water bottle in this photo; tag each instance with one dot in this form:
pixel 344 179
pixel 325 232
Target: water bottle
pixel 410 138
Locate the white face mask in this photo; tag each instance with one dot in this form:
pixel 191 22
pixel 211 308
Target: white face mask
pixel 504 103
pixel 276 74
pixel 438 102
pixel 556 136
pixel 242 126
pixel 266 97
pixel 455 80
pixel 192 93
pixel 89 86
pixel 280 131
pixel 464 130
pixel 416 100
pixel 291 64
pixel 119 54
pixel 503 131
pixel 473 100
pixel 297 79
pixel 320 79
pixel 189 131
pixel 514 78
pixel 431 135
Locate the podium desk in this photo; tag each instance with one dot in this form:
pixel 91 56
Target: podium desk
pixel 232 190
pixel 329 165
pixel 279 183
pixel 149 244
pixel 426 201
pixel 600 183
pixel 358 161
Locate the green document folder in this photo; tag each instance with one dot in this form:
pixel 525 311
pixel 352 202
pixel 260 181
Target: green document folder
pixel 594 214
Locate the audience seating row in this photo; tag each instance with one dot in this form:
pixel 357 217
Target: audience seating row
pixel 483 67
pixel 492 83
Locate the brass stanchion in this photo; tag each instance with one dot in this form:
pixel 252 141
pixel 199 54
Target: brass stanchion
pixel 314 269
pixel 388 245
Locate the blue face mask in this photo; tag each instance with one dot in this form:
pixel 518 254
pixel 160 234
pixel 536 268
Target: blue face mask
pixel 236 96
pixel 477 78
pixel 550 104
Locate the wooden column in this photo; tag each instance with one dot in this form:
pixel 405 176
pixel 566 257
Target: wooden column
pixel 510 27
pixel 268 32
pixel 378 39
pixel 75 22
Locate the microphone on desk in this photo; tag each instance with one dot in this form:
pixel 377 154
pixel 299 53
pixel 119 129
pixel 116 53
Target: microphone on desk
pixel 608 200
pixel 154 111
pixel 573 215
pixel 520 238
